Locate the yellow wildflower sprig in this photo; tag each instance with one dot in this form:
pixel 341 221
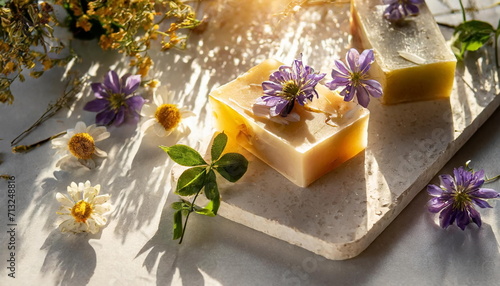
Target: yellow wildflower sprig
pixel 129 27
pixel 26 42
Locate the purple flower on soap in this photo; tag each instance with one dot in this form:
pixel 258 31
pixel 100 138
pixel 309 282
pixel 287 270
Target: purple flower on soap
pixel 398 10
pixel 353 77
pixel 456 196
pixel 287 85
pixel 115 100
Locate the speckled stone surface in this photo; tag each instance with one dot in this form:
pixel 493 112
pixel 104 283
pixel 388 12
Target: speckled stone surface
pixel 339 215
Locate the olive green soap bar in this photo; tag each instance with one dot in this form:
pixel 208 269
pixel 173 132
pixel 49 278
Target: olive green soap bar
pixel 301 151
pixel 413 62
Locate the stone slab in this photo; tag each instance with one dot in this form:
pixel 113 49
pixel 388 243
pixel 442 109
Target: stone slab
pixel 339 215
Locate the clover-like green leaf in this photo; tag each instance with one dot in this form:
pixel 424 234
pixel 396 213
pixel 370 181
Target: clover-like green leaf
pixel 184 155
pixel 473 34
pixel 211 189
pixel 218 146
pixel 191 181
pixel 210 209
pixel 231 166
pixel 177 227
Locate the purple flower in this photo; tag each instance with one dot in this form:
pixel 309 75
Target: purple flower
pixel 456 196
pixel 400 9
pixel 288 85
pixel 115 99
pixel 353 77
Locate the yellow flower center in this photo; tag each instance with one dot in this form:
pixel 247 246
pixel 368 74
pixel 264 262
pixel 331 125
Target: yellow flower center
pixel 290 90
pixel 81 211
pixel 81 145
pixel 116 100
pixel 168 115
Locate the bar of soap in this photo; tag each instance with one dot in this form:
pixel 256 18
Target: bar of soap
pixel 412 60
pixel 302 151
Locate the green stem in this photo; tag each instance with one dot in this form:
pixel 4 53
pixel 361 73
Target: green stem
pixel 463 10
pixel 187 217
pixel 489 180
pixel 497 33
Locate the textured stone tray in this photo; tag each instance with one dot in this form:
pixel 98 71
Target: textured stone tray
pixel 339 215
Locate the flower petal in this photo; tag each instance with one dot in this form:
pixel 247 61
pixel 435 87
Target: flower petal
pixel 112 82
pixel 481 203
pixel 96 105
pixel 434 190
pixel 135 103
pixel 447 182
pixel 120 116
pixel 99 90
pixel 475 216
pixel 435 205
pixel 447 216
pixel 105 117
pixel 80 127
pixel 363 96
pixel 485 193
pixel 132 82
pixel 64 200
pixel 373 87
pixel 365 60
pixel 463 219
pixel 352 59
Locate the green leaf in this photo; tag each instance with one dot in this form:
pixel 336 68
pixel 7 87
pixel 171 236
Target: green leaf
pixel 184 155
pixel 205 211
pixel 191 181
pixel 177 205
pixel 214 205
pixel 210 209
pixel 218 146
pixel 232 166
pixel 473 34
pixel 177 225
pixel 211 189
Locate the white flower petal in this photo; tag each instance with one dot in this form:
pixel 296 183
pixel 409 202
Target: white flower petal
pixel 64 200
pixel 89 194
pixel 148 110
pixel 160 130
pixel 89 163
pixel 99 219
pixel 98 152
pixel 70 225
pixel 98 200
pixel 147 124
pixel 157 99
pixel 102 209
pixel 92 227
pixel 80 127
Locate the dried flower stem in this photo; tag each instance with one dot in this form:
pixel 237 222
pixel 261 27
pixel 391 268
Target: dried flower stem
pixel 27 148
pixel 73 86
pixel 486 179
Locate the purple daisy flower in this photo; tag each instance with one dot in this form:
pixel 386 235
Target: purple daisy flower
pixel 287 86
pixel 115 99
pixel 353 77
pixel 400 9
pixel 456 196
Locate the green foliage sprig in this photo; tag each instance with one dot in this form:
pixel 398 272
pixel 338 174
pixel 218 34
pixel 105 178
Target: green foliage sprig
pixel 472 35
pixel 201 178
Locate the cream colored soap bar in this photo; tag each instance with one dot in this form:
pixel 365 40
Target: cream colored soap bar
pixel 301 151
pixel 412 61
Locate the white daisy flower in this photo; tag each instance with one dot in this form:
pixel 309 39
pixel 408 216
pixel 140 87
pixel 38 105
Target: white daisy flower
pixel 84 209
pixel 78 145
pixel 164 118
